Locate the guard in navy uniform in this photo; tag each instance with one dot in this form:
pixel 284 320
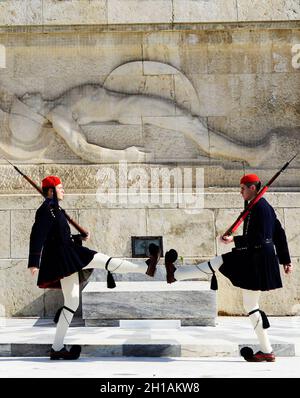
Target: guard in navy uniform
pixel 253 265
pixel 255 249
pixel 63 263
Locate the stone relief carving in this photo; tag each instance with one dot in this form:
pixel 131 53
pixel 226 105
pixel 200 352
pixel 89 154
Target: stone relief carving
pixel 89 104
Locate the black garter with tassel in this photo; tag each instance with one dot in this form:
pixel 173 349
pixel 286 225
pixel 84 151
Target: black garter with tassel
pixel 213 282
pixel 57 315
pixel 111 284
pixel 265 320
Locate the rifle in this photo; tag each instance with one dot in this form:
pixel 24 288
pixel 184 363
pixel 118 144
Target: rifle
pixel 81 230
pixel 261 192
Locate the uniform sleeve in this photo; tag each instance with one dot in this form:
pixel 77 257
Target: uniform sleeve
pixel 43 221
pixel 77 239
pixel 280 243
pixel 239 241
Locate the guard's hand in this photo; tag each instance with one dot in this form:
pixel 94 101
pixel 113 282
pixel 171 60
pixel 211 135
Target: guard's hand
pixel 226 239
pixel 85 238
pixel 288 268
pixel 33 270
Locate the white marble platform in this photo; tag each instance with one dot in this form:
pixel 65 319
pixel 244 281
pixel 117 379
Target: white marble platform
pixel 33 338
pixel 150 324
pixel 191 302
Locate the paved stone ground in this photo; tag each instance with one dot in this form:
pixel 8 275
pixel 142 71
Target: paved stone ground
pixel 199 362
pixel 124 367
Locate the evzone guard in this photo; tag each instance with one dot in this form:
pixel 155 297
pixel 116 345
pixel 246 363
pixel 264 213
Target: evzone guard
pixel 253 265
pixel 63 263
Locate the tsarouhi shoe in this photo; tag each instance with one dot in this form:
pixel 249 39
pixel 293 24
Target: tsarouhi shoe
pixel 262 356
pixel 152 261
pixel 74 353
pixel 170 257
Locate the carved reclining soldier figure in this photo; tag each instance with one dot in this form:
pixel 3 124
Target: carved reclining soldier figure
pixel 92 103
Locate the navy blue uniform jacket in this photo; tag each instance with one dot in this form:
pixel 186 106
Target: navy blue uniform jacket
pixel 254 262
pixel 53 249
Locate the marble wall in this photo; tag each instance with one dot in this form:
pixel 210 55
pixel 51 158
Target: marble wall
pixel 50 12
pixel 193 233
pixel 238 87
pixel 224 75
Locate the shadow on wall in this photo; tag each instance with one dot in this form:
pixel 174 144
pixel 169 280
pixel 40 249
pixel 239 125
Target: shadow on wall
pixel 46 305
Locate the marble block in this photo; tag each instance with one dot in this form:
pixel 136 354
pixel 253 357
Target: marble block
pixel 150 324
pixel 191 302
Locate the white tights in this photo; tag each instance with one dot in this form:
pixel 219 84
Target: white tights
pixel 250 297
pixel 117 265
pixel 70 289
pixel 251 302
pixel 198 270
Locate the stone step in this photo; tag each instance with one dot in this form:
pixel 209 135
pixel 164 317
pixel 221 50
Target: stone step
pixel 144 349
pixel 33 338
pixel 150 324
pixel 193 303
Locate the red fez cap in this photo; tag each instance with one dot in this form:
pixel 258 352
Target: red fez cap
pixel 50 181
pixel 248 178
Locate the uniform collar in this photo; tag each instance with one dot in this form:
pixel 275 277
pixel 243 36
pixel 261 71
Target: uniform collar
pixel 49 201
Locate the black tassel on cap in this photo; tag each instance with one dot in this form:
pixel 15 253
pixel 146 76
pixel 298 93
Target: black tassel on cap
pixel 111 284
pixel 213 282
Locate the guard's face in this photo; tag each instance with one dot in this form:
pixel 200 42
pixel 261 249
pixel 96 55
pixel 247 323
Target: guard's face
pixel 248 193
pixel 60 192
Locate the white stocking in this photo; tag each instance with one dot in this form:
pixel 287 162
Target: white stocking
pixel 198 270
pixel 251 302
pixel 116 265
pixel 70 289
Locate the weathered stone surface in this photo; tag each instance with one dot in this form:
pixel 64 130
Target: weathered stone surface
pixel 76 12
pixel 115 136
pixel 240 57
pixel 129 301
pixel 5 234
pixel 111 230
pixel 204 11
pixel 21 223
pixel 223 220
pixel 254 11
pixel 16 12
pixel 292 225
pixel 218 93
pixel 21 296
pixel 157 141
pixel 285 10
pixel 222 75
pixel 165 46
pixel 177 227
pixel 214 198
pixel 137 11
pixel 268 10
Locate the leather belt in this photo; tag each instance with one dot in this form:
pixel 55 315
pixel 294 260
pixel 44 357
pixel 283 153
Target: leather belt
pixel 266 241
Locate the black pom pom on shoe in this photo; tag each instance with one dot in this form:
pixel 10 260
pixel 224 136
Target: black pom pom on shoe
pixel 247 353
pixel 171 256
